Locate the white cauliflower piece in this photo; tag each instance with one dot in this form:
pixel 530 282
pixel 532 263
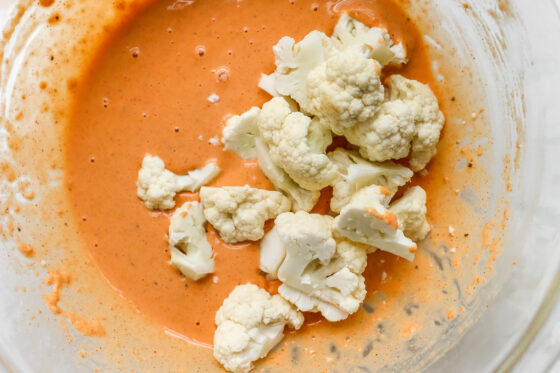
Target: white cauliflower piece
pixel 411 213
pixel 367 220
pixel 345 90
pixel 388 135
pixel 428 118
pixel 272 116
pixel 250 323
pixel 355 173
pixel 157 186
pixel 272 254
pixel 317 274
pixel 294 61
pixel 268 84
pixel 240 133
pixel 302 199
pixel 191 252
pixel 352 34
pixel 239 213
pixel 301 152
pixel 297 144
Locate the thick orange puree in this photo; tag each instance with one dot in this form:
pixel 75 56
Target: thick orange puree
pixel 147 92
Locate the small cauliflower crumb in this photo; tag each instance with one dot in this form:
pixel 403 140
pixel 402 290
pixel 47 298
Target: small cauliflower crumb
pixel 157 186
pixel 215 141
pixel 239 213
pixel 190 250
pixel 250 323
pixel 214 98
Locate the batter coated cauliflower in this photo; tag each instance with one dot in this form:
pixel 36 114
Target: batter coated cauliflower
pixel 411 213
pixel 250 323
pixel 366 220
pixel 157 186
pixel 427 117
pixel 345 90
pixel 239 213
pixel 355 173
pixel 388 135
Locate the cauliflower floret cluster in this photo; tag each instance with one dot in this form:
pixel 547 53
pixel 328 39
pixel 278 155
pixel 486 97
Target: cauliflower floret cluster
pixel 318 272
pixel 428 118
pixel 345 90
pixel 250 323
pixel 410 210
pixel 239 213
pixel 297 144
pixel 157 186
pixel 388 135
pixel 190 250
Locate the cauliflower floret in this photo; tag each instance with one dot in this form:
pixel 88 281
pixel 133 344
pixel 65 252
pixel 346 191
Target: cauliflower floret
pixel 388 135
pixel 302 199
pixel 240 133
pixel 356 173
pixel 191 252
pixel 297 144
pixel 345 90
pixel 318 273
pixel 427 117
pixel 251 323
pixel 272 117
pixel 349 33
pixel 367 220
pixel 294 62
pixel 239 213
pixel 411 213
pixel 157 186
pixel 268 84
pixel 301 152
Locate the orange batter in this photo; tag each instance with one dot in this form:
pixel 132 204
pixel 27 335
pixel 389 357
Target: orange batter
pixel 147 92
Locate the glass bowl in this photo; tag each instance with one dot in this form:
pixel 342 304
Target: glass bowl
pixel 511 45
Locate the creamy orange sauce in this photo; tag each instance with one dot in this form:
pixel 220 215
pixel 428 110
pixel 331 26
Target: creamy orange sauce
pixel 147 92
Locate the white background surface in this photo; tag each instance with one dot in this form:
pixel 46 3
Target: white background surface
pixel 543 350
